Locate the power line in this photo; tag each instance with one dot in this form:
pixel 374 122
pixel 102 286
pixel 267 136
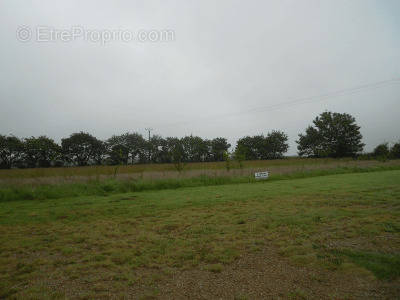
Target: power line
pixel 303 100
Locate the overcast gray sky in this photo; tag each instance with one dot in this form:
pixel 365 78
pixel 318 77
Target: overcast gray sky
pixel 226 72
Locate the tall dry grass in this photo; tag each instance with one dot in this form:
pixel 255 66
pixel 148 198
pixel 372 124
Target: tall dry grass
pixel 141 168
pixel 167 171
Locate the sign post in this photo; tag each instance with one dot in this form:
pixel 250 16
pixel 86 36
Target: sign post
pixel 261 175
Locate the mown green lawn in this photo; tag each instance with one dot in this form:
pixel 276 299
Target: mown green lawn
pixel 342 223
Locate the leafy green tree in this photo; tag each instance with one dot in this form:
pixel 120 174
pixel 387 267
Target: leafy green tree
pixel 395 151
pixel 196 149
pixel 382 150
pixel 41 151
pixel 82 148
pixel 260 147
pixel 272 146
pixel 99 151
pixel 246 146
pixel 311 144
pixel 133 142
pixel 333 135
pixel 218 147
pixel 119 155
pixel 276 143
pixel 11 150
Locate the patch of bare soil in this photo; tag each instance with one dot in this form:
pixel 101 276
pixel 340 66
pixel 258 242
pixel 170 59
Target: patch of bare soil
pixel 266 275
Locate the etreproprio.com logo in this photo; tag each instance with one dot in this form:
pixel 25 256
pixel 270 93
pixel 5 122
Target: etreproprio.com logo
pixel 50 34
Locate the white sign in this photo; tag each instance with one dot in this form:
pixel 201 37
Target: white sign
pixel 261 175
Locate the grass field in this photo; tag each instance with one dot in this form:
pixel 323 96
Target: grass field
pixel 52 183
pixel 333 236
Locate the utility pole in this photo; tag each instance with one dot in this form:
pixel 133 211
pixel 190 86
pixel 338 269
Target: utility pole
pixel 149 130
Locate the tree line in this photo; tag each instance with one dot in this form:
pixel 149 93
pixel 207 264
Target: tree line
pixel 82 149
pixel 331 135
